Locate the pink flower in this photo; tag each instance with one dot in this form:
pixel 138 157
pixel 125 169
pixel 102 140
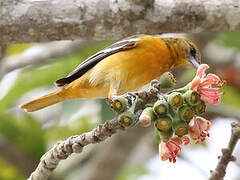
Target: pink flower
pixel 198 128
pixel 204 85
pixel 170 149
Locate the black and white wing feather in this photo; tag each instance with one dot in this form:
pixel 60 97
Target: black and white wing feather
pixel 90 62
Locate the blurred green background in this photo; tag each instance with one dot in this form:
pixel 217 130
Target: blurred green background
pixel 25 137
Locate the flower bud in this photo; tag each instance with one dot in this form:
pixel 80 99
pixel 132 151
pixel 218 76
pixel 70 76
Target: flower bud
pixel 163 123
pixel 186 113
pixel 119 104
pixel 147 117
pixel 175 99
pixel 192 97
pixel 161 107
pixel 167 80
pixel 127 118
pixel 180 127
pixel 200 108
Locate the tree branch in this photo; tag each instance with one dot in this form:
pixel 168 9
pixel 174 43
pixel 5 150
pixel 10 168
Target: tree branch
pixel 40 53
pixel 220 171
pixel 73 144
pixel 47 20
pixel 80 162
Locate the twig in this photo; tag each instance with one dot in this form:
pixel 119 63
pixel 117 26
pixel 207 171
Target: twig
pixel 220 171
pixel 47 20
pixel 40 53
pixel 80 162
pixel 73 144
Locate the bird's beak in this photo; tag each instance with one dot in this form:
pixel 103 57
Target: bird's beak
pixel 195 63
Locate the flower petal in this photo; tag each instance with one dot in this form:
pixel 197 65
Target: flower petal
pixel 210 100
pixel 208 82
pixel 195 83
pixel 171 149
pixel 198 128
pixel 201 70
pixel 213 77
pixel 209 89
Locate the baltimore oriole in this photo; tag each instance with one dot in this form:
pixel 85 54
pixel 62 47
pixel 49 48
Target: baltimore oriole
pixel 123 67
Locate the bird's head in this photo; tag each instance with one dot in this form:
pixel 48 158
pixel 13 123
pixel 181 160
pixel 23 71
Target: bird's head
pixel 184 51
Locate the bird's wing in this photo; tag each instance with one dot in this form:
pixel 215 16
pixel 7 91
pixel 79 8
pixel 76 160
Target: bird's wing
pixel 90 62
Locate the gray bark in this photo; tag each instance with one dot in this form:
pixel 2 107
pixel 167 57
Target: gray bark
pixel 73 144
pixel 48 20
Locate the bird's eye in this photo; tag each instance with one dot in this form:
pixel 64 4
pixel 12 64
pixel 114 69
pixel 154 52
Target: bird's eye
pixel 192 51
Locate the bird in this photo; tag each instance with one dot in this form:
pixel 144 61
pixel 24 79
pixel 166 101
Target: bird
pixel 123 67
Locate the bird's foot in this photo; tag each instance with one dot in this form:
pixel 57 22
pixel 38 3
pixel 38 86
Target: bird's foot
pixel 138 114
pixel 131 97
pixel 125 105
pixel 129 118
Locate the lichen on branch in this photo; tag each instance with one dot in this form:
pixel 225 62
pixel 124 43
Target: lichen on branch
pixel 74 144
pixel 47 20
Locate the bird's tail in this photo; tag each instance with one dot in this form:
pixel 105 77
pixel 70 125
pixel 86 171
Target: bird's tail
pixel 44 101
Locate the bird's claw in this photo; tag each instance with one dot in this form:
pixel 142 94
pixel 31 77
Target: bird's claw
pixel 132 101
pixel 137 118
pixel 131 97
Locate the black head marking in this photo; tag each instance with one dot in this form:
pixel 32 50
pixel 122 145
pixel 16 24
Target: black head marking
pixel 193 51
